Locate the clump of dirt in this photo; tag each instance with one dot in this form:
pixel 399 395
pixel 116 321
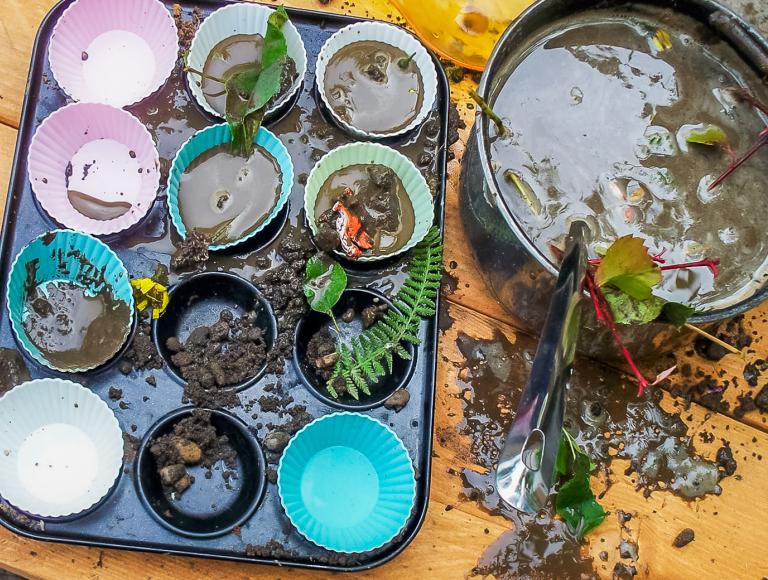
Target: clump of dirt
pixel 142 354
pixel 455 122
pixel 397 400
pixel 322 347
pixel 193 441
pixel 192 251
pixel 187 27
pixel 222 355
pixel 13 371
pixel 684 538
pixel 283 286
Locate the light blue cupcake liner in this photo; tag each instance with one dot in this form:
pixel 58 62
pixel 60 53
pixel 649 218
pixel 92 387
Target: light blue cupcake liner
pixel 210 137
pixel 93 266
pixel 347 483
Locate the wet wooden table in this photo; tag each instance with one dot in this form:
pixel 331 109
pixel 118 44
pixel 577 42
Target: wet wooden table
pixel 731 529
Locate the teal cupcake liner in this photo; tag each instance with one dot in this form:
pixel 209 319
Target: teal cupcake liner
pixel 363 153
pixel 64 256
pixel 208 138
pixel 346 482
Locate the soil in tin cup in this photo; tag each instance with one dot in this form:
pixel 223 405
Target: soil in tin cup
pixel 374 86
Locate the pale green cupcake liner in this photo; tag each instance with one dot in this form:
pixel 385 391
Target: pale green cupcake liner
pixel 367 153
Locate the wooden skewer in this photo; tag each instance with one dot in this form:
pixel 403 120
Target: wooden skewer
pixel 714 339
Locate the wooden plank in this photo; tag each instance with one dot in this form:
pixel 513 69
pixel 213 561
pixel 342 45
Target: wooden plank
pixel 730 536
pixel 7 146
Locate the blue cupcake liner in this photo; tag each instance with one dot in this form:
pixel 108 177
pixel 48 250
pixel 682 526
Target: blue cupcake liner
pixel 56 262
pixel 347 483
pixel 208 138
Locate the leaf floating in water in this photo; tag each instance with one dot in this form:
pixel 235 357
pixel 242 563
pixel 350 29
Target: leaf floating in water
pixel 150 294
pixel 524 190
pixel 488 112
pixel 707 135
pixel 662 40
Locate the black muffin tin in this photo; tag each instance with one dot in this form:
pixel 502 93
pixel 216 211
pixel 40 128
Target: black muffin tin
pixel 126 517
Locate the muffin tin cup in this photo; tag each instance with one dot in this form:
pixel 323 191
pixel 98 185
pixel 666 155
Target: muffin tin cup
pixel 211 137
pixel 198 301
pixel 65 255
pixel 374 153
pixel 192 514
pixel 62 448
pixel 94 142
pixel 387 34
pixel 347 483
pixel 115 52
pixel 242 19
pixel 358 298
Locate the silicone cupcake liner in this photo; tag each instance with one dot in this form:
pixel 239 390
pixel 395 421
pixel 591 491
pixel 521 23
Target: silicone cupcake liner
pixel 362 153
pixel 64 255
pixel 62 448
pixel 346 483
pixel 109 154
pixel 113 51
pixel 392 35
pixel 241 19
pixel 211 137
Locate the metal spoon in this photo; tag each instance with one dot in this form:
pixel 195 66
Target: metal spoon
pixel 525 471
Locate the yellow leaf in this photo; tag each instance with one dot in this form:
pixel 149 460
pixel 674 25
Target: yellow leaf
pixel 150 294
pixel 628 267
pixel 662 40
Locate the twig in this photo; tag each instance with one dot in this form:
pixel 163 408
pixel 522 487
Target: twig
pixel 488 112
pixel 714 339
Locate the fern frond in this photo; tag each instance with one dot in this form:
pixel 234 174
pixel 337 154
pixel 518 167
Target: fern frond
pixel 364 363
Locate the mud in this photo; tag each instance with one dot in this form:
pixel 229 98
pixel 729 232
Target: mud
pixel 13 370
pixel 374 195
pixel 213 358
pixel 73 329
pixel 187 25
pixel 193 441
pixel 231 56
pixel 368 88
pixel 141 354
pixel 96 208
pixel 226 196
pixel 192 251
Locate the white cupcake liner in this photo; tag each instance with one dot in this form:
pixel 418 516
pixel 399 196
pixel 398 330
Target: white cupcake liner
pixel 392 35
pixel 65 136
pixel 241 19
pixel 131 47
pixel 61 448
pixel 366 153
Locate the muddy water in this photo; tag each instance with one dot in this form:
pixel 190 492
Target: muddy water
pixel 601 135
pixel 221 190
pixel 72 328
pixel 386 212
pixel 232 56
pixel 367 86
pixel 95 208
pixel 607 419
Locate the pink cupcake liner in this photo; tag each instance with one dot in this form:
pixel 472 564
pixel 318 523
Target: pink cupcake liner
pixel 113 51
pixel 110 155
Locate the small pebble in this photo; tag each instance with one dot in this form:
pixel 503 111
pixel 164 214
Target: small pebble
pixel 684 538
pixel 276 441
pixel 397 400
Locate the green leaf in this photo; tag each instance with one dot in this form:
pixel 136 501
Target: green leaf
pixel 577 505
pixel 628 310
pixel 676 313
pixel 249 91
pixel 323 284
pixel 707 135
pixel 628 267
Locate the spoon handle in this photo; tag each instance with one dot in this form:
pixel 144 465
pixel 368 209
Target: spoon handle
pixel 525 471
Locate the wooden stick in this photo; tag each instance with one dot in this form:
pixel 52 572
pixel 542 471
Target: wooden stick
pixel 714 339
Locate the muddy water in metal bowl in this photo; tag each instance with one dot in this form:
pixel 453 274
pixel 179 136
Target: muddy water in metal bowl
pixel 598 105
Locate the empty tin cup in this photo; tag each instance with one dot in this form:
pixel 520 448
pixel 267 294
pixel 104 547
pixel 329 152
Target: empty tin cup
pixel 94 168
pixel 62 448
pixel 64 256
pixel 113 51
pixel 346 483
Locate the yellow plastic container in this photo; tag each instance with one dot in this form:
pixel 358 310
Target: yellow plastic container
pixel 463 31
